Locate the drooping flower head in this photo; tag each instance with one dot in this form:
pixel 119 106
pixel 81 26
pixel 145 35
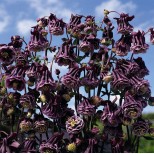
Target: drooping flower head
pixel 16 41
pixel 72 78
pixel 52 145
pixel 138 42
pixel 141 127
pixel 16 79
pixel 7 54
pixel 131 108
pixel 21 58
pixel 151 35
pixel 124 26
pixel 37 41
pixel 56 26
pixel 74 125
pixel 86 108
pixel 65 55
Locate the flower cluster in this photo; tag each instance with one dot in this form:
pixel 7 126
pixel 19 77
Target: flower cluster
pixel 35 98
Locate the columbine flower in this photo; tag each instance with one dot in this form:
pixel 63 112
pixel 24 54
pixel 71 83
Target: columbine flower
pixel 7 54
pixel 74 21
pixel 92 144
pixel 74 125
pixel 120 81
pixel 45 82
pixel 9 144
pixel 151 35
pixel 131 108
pixel 71 79
pixel 86 46
pixel 26 125
pixel 90 80
pixel 41 126
pixel 16 41
pixel 140 86
pixel 21 58
pixel 65 55
pixel 142 68
pixel 56 26
pixel 122 46
pixel 27 101
pixel 140 128
pixel 37 42
pixel 123 23
pixel 53 145
pixel 16 79
pixel 86 108
pixel 54 109
pixel 129 68
pixel 138 42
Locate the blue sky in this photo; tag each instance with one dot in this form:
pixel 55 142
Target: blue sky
pixel 17 16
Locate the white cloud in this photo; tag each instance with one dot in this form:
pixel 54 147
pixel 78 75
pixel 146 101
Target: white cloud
pixel 24 26
pixel 51 6
pixel 115 5
pixel 4 18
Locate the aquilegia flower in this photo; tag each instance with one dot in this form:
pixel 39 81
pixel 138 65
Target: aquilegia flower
pixel 131 108
pixel 74 125
pixel 123 23
pixel 86 108
pixel 16 79
pixel 56 26
pixel 138 42
pixel 141 127
pixel 52 145
pixel 7 54
pixel 37 41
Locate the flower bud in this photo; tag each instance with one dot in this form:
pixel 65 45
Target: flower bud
pixel 108 78
pixel 106 12
pixel 151 101
pixel 66 97
pixel 71 147
pixel 96 100
pixel 43 98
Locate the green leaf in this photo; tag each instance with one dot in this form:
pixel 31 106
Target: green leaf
pixel 75 42
pixel 3 81
pixel 148 137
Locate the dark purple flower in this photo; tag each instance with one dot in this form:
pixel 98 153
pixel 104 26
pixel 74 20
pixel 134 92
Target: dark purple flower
pixel 37 41
pixel 42 22
pixel 92 144
pixel 86 46
pixel 29 145
pixel 122 46
pixel 151 101
pixel 138 42
pixel 27 101
pixel 56 26
pixel 141 127
pixel 128 67
pixel 65 55
pixel 142 68
pixel 86 108
pixel 74 21
pixel 110 115
pixel 16 41
pixel 151 35
pixel 55 108
pixel 26 125
pixel 140 86
pixel 9 144
pixel 7 54
pixel 72 78
pixel 41 126
pixel 74 125
pixel 90 80
pixel 120 81
pixel 52 145
pixel 123 23
pixel 16 79
pixel 21 58
pixel 131 108
pixel 46 82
